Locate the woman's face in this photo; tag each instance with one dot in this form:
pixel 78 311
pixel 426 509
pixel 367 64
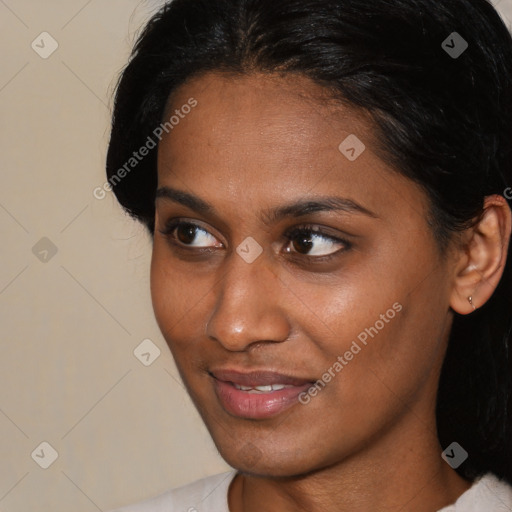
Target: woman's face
pixel 360 306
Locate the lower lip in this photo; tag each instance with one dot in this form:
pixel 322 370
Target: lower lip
pixel 256 405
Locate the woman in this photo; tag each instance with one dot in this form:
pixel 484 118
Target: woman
pixel 326 183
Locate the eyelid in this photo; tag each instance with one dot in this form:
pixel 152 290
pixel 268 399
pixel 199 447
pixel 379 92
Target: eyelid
pixel 171 225
pixel 316 230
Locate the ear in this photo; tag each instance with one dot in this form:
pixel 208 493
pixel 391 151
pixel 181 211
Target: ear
pixel 481 260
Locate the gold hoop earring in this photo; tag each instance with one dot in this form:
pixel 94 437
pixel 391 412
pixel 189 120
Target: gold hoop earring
pixel 470 299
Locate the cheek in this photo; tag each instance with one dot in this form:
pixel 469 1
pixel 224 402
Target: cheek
pixel 387 325
pixel 182 302
pixel 398 358
pixel 171 297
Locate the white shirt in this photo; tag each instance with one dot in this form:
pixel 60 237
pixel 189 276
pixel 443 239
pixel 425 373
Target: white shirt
pixel 210 494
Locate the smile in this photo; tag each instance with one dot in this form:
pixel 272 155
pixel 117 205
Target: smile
pixel 258 394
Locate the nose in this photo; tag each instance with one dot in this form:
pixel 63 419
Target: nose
pixel 248 308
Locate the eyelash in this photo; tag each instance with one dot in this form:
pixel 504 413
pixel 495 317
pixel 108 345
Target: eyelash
pixel 308 230
pixel 305 230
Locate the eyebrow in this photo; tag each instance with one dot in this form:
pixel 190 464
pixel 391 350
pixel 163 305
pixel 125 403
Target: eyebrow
pixel 271 215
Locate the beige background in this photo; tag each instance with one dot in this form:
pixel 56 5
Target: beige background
pixel 70 321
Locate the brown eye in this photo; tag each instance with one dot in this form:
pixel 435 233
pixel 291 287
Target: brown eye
pixel 186 233
pixel 303 244
pixel 189 234
pixel 311 242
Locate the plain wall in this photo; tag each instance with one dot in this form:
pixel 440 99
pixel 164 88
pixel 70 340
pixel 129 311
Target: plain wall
pixel 70 321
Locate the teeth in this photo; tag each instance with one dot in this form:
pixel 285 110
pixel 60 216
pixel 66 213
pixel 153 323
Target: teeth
pixel 243 388
pixel 264 389
pixel 261 389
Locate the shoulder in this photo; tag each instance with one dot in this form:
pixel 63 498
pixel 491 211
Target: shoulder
pixel 487 494
pixel 205 495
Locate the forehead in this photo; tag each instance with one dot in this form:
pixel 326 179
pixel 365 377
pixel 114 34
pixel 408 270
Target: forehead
pixel 270 101
pixel 259 120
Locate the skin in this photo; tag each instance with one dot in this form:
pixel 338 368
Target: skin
pixel 368 440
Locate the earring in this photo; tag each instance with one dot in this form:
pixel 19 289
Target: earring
pixel 470 299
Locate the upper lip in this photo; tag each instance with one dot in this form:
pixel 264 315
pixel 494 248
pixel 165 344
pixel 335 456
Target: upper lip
pixel 257 378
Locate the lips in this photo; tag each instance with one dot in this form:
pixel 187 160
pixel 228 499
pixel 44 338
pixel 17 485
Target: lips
pixel 258 378
pixel 257 394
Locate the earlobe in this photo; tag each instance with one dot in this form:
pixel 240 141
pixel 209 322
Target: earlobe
pixel 483 257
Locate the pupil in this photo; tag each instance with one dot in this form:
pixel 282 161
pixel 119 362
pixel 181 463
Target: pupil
pixel 305 243
pixel 189 233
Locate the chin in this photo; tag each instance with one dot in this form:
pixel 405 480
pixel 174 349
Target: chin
pixel 268 467
pixel 265 459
